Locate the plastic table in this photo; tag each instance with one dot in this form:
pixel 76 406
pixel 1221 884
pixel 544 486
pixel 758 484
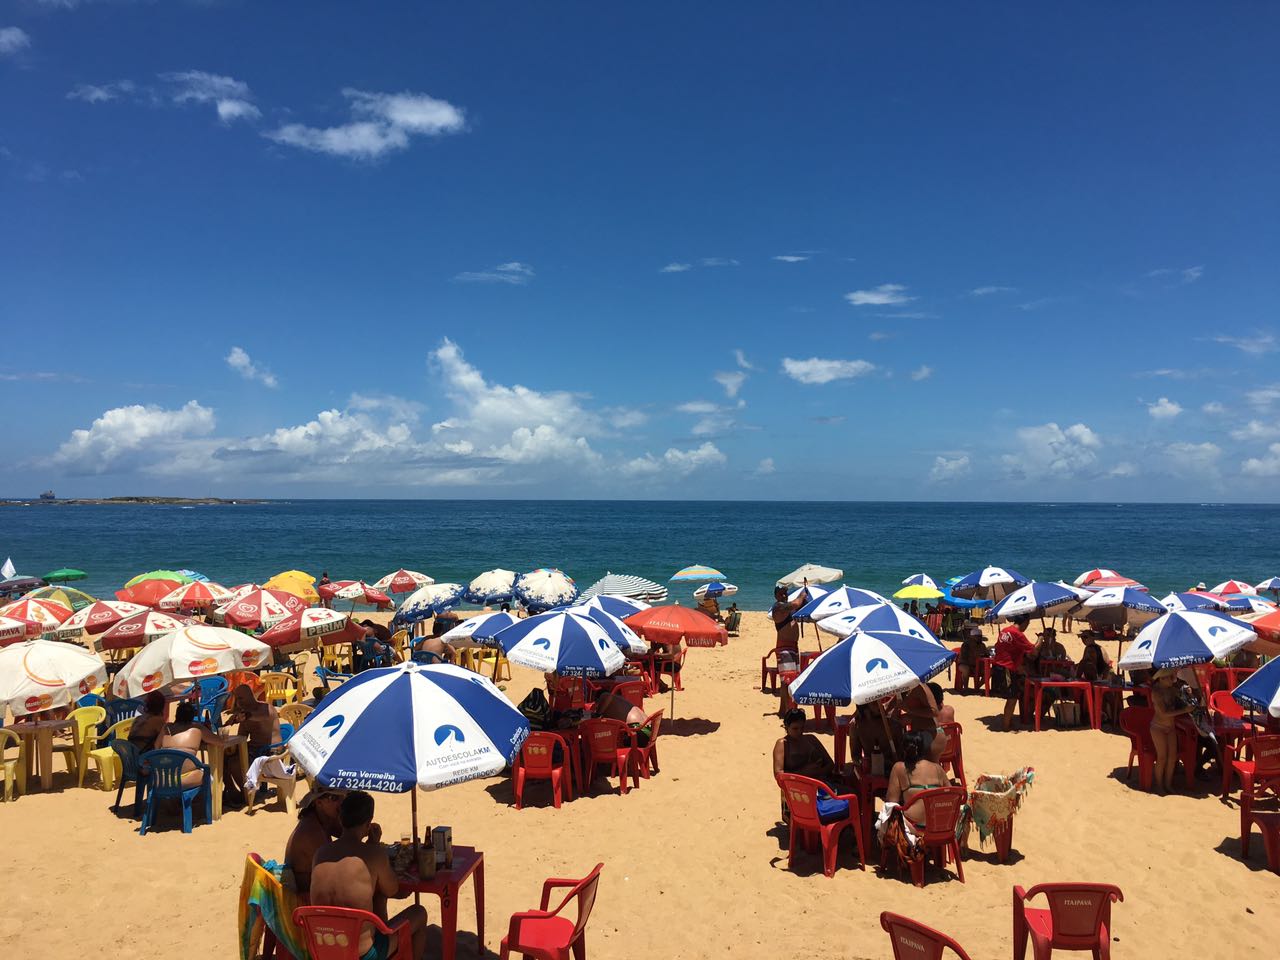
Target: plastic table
pixel 467 862
pixel 216 764
pixel 1102 690
pixel 1039 684
pixel 987 664
pixel 38 740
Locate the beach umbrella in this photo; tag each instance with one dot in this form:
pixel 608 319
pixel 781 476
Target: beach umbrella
pixel 628 641
pixel 839 601
pixel 1234 586
pixel 714 589
pixel 41 675
pixel 565 643
pixel 1080 592
pixel 918 591
pixel 48 614
pixel 189 653
pixel 297 582
pixel 810 573
pixel 357 591
pixel 1034 600
pixel 429 601
pixel 7 569
pixel 1267 627
pixel 621 607
pixel 311 627
pixel 920 580
pixel 545 588
pixel 1126 597
pixel 140 629
pixel 20 585
pixel 402 581
pixel 194 575
pixel 671 624
pixel 625 585
pixel 989 583
pixel 149 593
pixel 492 586
pixel 196 595
pixel 1183 638
pixel 176 576
pixel 1194 600
pixel 1089 576
pixel 814 593
pixel 880 618
pixel 1271 584
pixel 1103 582
pixel 1261 689
pixel 64 575
pixel 13 630
pixel 697 572
pixel 260 609
pixel 481 628
pixel 240 590
pixel 97 617
pixel 69 597
pixel 869 666
pixel 1250 604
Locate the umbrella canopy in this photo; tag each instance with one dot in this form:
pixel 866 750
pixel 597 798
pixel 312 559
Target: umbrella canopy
pixel 260 608
pixel 13 630
pixel 563 643
pixel 64 575
pixel 429 601
pixel 625 585
pixel 839 601
pixel 881 618
pixel 481 628
pixel 310 627
pixel 628 641
pixel 1104 582
pixel 1194 601
pixel 1267 627
pixel 866 667
pixel 620 607
pixel 1097 573
pixel 1271 584
pixel 77 600
pixel 189 653
pixel 1234 586
pixel 920 580
pixel 714 589
pixel 1261 689
pixel 402 581
pixel 177 576
pixel 918 591
pixel 1080 592
pixel 814 593
pixel 355 590
pixel 697 572
pixel 17 585
pixel 989 583
pixel 149 593
pixel 671 624
pixel 395 728
pixel 140 629
pixel 297 582
pixel 1034 600
pixel 1250 604
pixel 194 575
pixel 1183 638
pixel 1124 597
pixel 810 573
pixel 492 586
pixel 97 617
pixel 196 595
pixel 545 588
pixel 48 614
pixel 43 674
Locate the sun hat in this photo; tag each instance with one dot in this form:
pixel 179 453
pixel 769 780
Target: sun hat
pixel 315 794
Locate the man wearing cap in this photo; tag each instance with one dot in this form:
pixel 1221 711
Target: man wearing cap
pixel 318 823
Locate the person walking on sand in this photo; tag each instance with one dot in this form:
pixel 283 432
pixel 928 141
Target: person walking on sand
pixel 1012 647
pixel 787 645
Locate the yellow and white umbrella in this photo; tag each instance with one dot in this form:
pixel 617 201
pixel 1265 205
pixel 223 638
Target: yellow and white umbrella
pixel 193 652
pixel 43 674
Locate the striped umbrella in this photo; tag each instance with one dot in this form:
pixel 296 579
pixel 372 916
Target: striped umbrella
pixel 839 601
pixel 714 589
pixel 697 572
pixel 1034 600
pixel 869 666
pixel 1234 586
pixel 619 606
pixel 1184 638
pixel 481 628
pixel 545 588
pixel 813 591
pixel 880 618
pixel 259 608
pixel 13 630
pixel 989 583
pixel 1271 585
pixel 920 580
pixel 48 614
pixel 1097 573
pixel 313 626
pixel 566 644
pixel 402 581
pixel 1249 604
pixel 357 591
pixel 429 601
pixel 41 675
pixel 492 586
pixel 70 597
pixel 141 629
pixel 1261 689
pixel 99 616
pixel 196 595
pixel 1194 600
pixel 1126 597
pixel 628 640
pixel 194 651
pixel 1104 582
pixel 625 585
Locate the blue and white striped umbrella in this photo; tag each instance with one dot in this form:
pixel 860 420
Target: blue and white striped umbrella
pixel 866 667
pixel 395 728
pixel 879 618
pixel 1249 604
pixel 545 588
pixel 429 601
pixel 1272 584
pixel 815 593
pixel 628 640
pixel 989 583
pixel 920 580
pixel 480 629
pixel 1261 689
pixel 1193 601
pixel 1184 638
pixel 492 586
pixel 563 643
pixel 620 607
pixel 1034 600
pixel 839 601
pixel 1126 597
pixel 715 589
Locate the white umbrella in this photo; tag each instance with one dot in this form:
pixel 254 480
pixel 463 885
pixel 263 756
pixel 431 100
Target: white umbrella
pixel 920 580
pixel 810 573
pixel 402 581
pixel 492 586
pixel 429 601
pixel 188 654
pixel 43 674
pixel 545 588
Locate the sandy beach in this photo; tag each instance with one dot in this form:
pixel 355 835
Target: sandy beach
pixel 695 860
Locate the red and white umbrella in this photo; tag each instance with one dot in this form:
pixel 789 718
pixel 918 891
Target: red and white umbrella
pixel 402 581
pixel 13 630
pixel 48 614
pixel 1117 581
pixel 1227 586
pixel 260 608
pixel 356 590
pixel 304 630
pixel 97 617
pixel 43 674
pixel 1097 573
pixel 141 629
pixel 195 596
pixel 195 651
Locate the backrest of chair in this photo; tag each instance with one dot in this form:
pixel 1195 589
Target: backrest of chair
pixel 954 750
pixel 294 714
pixel 1065 667
pixel 85 720
pixel 1136 722
pixel 941 812
pixel 210 687
pixel 654 723
pixel 1266 757
pixel 585 893
pixel 333 933
pixel 1221 701
pixel 128 754
pixel 1204 676
pixel 90 700
pixel 538 752
pixel 801 795
pixel 9 739
pixel 164 771
pixel 118 710
pixel 399 639
pixel 603 736
pixel 216 706
pixel 912 940
pixel 631 691
pixel 286 732
pixel 1078 910
pixel 119 730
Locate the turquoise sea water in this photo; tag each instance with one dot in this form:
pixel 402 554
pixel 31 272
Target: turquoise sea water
pixel 877 544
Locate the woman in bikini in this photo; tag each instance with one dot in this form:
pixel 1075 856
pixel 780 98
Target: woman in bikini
pixel 1167 706
pixel 186 735
pixel 912 776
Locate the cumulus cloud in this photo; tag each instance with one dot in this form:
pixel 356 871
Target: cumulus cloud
pixel 13 40
pixel 380 124
pixel 240 361
pixel 817 370
pixel 1050 452
pixel 1255 431
pixel 675 462
pixel 1164 409
pixel 514 273
pixel 1264 397
pixel 946 469
pixel 884 295
pixel 231 98
pixel 134 437
pixel 1264 466
pixel 765 467
pixel 676 268
pixel 1214 408
pixel 923 372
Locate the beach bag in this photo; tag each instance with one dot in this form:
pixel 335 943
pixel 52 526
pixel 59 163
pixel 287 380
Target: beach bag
pixel 895 835
pixel 1067 713
pixel 535 708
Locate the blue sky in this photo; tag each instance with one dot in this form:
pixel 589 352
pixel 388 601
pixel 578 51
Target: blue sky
pixel 679 250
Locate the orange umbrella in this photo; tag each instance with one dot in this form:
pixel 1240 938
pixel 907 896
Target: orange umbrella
pixel 149 593
pixel 1268 629
pixel 671 624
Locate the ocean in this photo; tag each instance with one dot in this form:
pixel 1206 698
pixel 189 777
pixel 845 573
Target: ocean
pixel 1165 546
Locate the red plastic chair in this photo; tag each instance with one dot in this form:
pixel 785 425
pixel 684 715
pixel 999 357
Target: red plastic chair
pixel 333 933
pixel 1078 918
pixel 801 796
pixel 1228 718
pixel 645 759
pixel 632 691
pixel 952 758
pixel 668 666
pixel 608 744
pixel 1269 824
pixel 941 815
pixel 536 761
pixel 1136 722
pixel 912 940
pixel 547 935
pixel 1258 778
pixel 769 674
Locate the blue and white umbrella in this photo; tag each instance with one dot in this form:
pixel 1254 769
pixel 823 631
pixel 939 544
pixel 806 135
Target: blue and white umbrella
pixel 989 583
pixel 840 601
pixel 628 640
pixel 545 588
pixel 1126 597
pixel 920 580
pixel 480 629
pixel 429 601
pixel 1261 689
pixel 620 607
pixel 1249 604
pixel 1034 600
pixel 1184 638
pixel 879 618
pixel 395 728
pixel 492 586
pixel 815 593
pixel 1272 584
pixel 866 667
pixel 1193 601
pixel 715 589
pixel 563 643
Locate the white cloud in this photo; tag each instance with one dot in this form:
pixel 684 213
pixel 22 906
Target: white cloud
pixel 13 40
pixel 884 295
pixel 230 97
pixel 381 123
pixel 676 268
pixel 514 273
pixel 732 382
pixel 923 372
pixel 1050 452
pixel 790 258
pixel 1256 345
pixel 239 361
pixel 698 406
pixel 1214 408
pixel 817 370
pixel 1194 459
pixel 719 262
pixel 1182 275
pixel 133 437
pixel 101 93
pixel 1164 409
pixel 876 336
pixel 229 110
pixel 1256 430
pixel 1122 471
pixel 1264 397
pixel 988 291
pixel 1265 466
pixel 675 462
pixel 741 359
pixel 765 467
pixel 1036 304
pixel 946 469
pixel 400 408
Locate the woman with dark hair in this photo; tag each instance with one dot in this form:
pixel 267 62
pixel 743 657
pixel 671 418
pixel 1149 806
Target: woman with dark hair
pixel 148 725
pixel 802 753
pixel 912 776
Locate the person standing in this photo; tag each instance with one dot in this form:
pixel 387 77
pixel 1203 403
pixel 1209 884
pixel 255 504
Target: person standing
pixel 1012 647
pixel 786 646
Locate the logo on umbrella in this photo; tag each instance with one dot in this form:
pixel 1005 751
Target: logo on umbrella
pixel 1144 644
pixel 879 663
pixel 445 731
pixel 334 724
pixel 41 702
pixel 542 642
pixel 198 667
pixel 151 681
pixel 1215 630
pixel 602 644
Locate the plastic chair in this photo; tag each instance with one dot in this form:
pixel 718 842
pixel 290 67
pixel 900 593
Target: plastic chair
pixel 1269 824
pixel 104 758
pixel 546 935
pixel 1227 711
pixel 732 623
pixel 952 758
pixel 609 745
pixel 632 691
pixel 278 688
pixel 117 710
pixel 1258 777
pixel 84 739
pixel 912 940
pixel 1078 918
pixel 333 933
pixel 163 771
pixel 128 772
pixel 12 770
pixel 91 700
pixel 210 687
pixel 536 761
pixel 668 666
pixel 294 714
pixel 327 676
pixel 211 710
pixel 808 825
pixel 645 758
pixel 500 664
pixel 1136 723
pixel 941 815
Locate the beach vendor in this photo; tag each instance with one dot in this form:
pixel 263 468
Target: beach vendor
pixel 1012 647
pixel 318 823
pixel 787 643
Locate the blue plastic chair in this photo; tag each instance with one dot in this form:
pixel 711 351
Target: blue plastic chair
pixel 163 772
pixel 324 675
pixel 129 773
pixel 210 687
pixel 118 710
pixel 286 734
pixel 210 711
pixel 91 700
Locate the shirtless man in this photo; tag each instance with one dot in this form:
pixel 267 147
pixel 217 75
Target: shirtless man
pixel 186 735
pixel 437 646
pixel 318 823
pixel 610 706
pixel 787 645
pixel 259 722
pixel 354 871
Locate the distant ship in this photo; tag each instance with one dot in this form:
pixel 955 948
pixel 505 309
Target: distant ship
pixel 48 495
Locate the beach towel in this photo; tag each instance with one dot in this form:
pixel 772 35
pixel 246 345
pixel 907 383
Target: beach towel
pixel 897 833
pixel 264 768
pixel 266 906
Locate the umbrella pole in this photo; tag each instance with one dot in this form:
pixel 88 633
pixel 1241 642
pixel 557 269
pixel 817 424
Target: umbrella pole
pixel 893 751
pixel 413 800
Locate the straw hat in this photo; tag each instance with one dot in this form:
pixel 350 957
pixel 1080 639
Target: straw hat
pixel 315 794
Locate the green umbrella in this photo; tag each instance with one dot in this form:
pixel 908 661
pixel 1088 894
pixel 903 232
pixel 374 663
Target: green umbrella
pixel 64 575
pixel 174 575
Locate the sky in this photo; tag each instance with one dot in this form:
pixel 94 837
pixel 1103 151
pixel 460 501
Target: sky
pixel 717 250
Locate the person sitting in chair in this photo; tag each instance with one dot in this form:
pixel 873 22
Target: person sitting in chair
pixel 912 776
pixel 318 823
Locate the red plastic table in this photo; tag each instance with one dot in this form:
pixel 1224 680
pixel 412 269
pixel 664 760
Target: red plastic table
pixel 467 862
pixel 987 663
pixel 1039 685
pixel 1103 690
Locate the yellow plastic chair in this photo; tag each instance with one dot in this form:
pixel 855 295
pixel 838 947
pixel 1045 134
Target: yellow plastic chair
pixel 467 659
pixel 107 760
pixel 13 770
pixel 278 688
pixel 337 657
pixel 84 739
pixel 492 662
pixel 294 713
pixel 399 641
